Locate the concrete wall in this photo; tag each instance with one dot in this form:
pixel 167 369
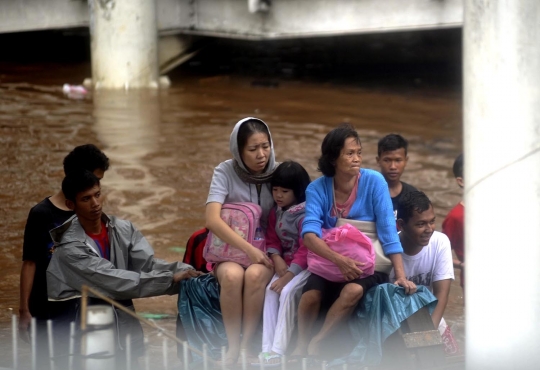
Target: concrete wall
pixel 231 18
pixel 31 15
pixel 301 18
pixel 35 15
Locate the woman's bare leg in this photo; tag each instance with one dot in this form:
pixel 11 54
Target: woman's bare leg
pixel 340 311
pixel 255 280
pixel 308 310
pixel 230 276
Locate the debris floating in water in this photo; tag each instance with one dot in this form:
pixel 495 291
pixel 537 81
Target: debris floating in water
pixel 74 91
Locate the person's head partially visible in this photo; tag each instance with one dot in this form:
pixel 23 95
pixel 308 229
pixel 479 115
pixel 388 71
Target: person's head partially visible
pixel 251 146
pixel 341 152
pixel 416 219
pixel 392 156
pixel 86 157
pixel 83 195
pixel 457 168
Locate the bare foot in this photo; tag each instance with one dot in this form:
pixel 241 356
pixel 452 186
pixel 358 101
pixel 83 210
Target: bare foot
pixel 250 357
pixel 314 347
pixel 229 362
pixel 231 358
pixel 297 355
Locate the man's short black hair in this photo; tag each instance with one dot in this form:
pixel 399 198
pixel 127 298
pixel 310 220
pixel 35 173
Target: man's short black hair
pixel 291 175
pixel 331 147
pixel 85 157
pixel 415 201
pixel 77 182
pixel 458 166
pixel 392 142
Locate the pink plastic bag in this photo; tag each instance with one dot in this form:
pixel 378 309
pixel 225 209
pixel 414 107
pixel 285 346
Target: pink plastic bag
pixel 348 241
pixel 243 218
pixel 451 347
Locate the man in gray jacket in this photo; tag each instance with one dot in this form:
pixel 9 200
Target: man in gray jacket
pixel 107 254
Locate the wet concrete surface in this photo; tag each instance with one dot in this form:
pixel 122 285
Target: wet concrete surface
pixel 163 146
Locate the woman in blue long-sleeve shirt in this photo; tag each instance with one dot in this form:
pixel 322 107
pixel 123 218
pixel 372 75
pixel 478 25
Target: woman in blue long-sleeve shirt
pixel 345 191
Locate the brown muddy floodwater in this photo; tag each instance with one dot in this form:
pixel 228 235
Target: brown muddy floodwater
pixel 164 145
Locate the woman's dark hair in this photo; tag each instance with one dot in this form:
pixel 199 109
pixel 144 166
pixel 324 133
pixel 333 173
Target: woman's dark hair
pixel 249 128
pixel 85 157
pixel 291 175
pixel 331 147
pixel 411 202
pixel 77 182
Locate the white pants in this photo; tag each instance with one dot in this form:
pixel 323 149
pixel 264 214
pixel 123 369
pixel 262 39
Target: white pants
pixel 279 314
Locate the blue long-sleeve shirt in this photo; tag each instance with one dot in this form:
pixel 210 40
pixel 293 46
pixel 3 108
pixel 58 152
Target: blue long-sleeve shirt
pixel 373 203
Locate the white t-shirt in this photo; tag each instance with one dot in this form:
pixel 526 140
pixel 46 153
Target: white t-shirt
pixel 433 263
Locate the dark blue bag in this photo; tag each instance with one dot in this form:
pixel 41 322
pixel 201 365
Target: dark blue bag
pixel 200 314
pixel 381 313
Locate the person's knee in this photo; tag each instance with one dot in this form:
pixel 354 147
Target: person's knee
pixel 311 298
pixel 351 294
pixel 257 275
pixel 231 276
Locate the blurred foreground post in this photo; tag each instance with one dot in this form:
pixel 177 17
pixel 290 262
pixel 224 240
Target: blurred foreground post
pixel 99 342
pixel 502 176
pixel 124 44
pixel 15 341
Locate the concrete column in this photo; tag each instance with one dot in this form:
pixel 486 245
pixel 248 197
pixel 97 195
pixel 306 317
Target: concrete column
pixel 124 44
pixel 502 183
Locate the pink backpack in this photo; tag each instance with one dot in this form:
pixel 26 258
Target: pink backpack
pixel 348 241
pixel 243 218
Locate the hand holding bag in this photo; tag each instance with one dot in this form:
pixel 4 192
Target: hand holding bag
pixel 244 219
pixel 382 263
pixel 349 242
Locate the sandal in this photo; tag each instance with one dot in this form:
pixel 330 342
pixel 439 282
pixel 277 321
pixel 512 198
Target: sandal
pixel 268 360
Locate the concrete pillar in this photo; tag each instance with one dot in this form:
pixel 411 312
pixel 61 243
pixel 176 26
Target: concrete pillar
pixel 123 44
pixel 502 183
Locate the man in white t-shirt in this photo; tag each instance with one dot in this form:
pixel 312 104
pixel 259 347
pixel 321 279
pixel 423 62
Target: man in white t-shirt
pixel 427 257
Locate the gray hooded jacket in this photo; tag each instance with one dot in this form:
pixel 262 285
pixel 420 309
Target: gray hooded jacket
pixel 132 271
pixel 227 187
